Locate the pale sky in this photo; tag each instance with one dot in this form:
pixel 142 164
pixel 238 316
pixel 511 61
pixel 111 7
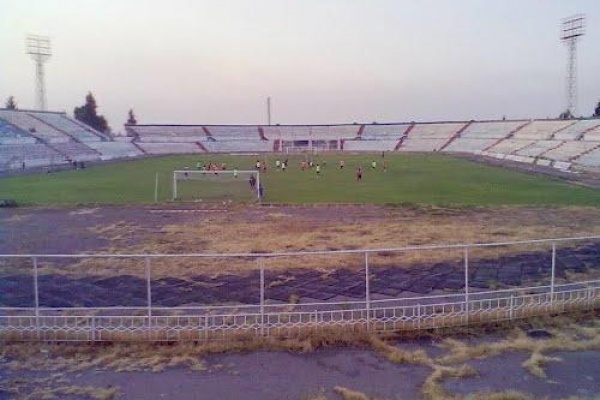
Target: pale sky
pixel 321 61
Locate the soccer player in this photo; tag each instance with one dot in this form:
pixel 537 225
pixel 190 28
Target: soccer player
pixel 235 173
pixel 342 164
pixel 277 164
pixel 318 170
pixel 385 166
pixel 358 174
pixel 373 164
pixel 283 166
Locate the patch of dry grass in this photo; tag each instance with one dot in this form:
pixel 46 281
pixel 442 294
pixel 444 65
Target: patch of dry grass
pixel 503 395
pixel 536 362
pixel 396 227
pixel 399 356
pixel 349 394
pixel 432 388
pixel 567 339
pixel 89 392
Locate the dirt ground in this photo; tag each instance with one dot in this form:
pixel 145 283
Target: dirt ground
pixel 173 230
pixel 454 366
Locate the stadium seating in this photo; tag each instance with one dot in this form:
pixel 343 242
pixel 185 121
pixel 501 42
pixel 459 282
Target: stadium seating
pixel 170 148
pixel 385 131
pixel 69 126
pixel 590 159
pixel 241 132
pixel 37 128
pixel 510 145
pixel 490 130
pixel 593 134
pixel 230 146
pixel 370 145
pixel 12 135
pixel 575 131
pixel 570 150
pixel 12 156
pixel 306 132
pixel 430 137
pixel 479 136
pixel 541 129
pixel 167 133
pixel 116 149
pixel 538 148
pixel 468 145
pixel 76 151
pixel 333 132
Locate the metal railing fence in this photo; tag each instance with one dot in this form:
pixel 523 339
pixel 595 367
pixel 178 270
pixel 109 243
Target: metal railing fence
pixel 144 320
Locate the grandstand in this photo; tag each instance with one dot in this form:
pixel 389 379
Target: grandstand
pixel 430 136
pixel 166 133
pixel 116 149
pixel 70 127
pixel 542 129
pixel 13 156
pixel 34 126
pixel 30 139
pixel 479 136
pixel 55 138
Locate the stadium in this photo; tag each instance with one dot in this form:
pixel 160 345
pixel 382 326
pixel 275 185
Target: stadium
pixel 182 241
pixel 138 238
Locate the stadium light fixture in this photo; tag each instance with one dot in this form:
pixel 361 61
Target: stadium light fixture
pixel 38 47
pixel 572 29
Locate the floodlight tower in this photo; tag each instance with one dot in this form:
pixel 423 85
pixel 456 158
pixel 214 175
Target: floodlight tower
pixel 38 47
pixel 572 30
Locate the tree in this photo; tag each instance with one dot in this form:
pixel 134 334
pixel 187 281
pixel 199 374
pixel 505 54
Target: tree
pixel 88 115
pixel 131 119
pixel 566 115
pixel 11 104
pixel 597 111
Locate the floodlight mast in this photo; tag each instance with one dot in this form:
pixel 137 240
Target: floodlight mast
pixel 38 47
pixel 572 29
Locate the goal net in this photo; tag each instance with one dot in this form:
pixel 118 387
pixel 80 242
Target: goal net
pixel 216 186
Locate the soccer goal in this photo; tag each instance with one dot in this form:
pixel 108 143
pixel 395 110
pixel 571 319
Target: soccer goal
pixel 217 186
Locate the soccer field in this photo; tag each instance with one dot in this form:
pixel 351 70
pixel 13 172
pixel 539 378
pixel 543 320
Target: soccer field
pixel 410 179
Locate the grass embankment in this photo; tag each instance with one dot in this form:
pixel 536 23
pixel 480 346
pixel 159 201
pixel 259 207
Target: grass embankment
pixel 410 178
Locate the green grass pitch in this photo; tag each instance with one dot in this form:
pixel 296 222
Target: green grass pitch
pixel 410 179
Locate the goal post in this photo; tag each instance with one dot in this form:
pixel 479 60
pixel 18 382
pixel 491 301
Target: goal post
pixel 217 186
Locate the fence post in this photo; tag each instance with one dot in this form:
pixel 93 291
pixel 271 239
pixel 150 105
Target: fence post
pixel 148 290
pixel 156 188
pixel 511 306
pixel 36 295
pixel 467 308
pixel 174 185
pixel 553 273
pixel 262 296
pixel 367 292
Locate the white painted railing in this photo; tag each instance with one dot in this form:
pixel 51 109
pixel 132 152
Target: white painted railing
pixel 202 323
